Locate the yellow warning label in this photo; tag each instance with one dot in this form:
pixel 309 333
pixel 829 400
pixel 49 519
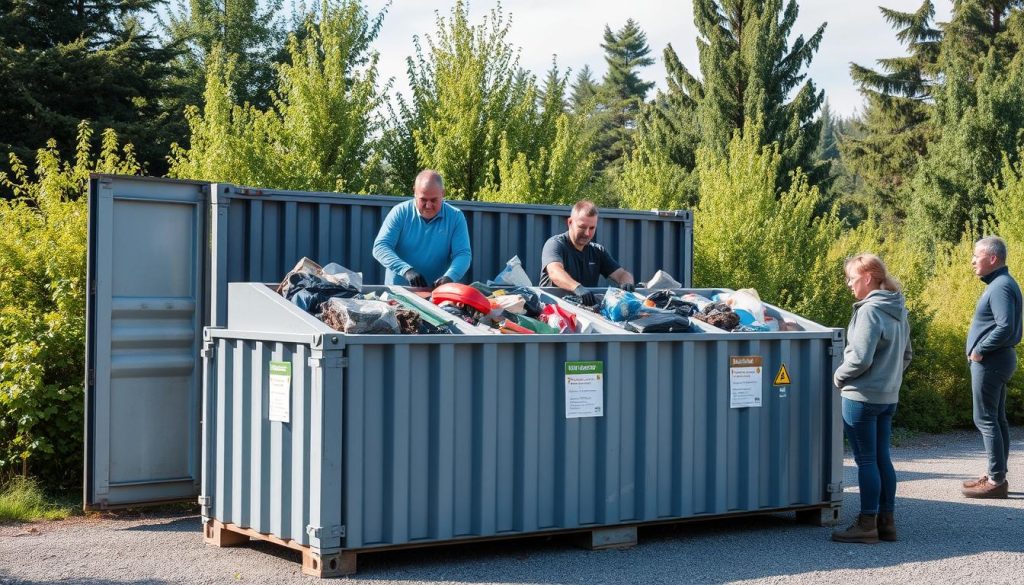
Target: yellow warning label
pixel 782 378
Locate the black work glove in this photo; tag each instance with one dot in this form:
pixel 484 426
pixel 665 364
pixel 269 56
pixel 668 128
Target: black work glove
pixel 415 278
pixel 586 297
pixel 442 280
pixel 628 286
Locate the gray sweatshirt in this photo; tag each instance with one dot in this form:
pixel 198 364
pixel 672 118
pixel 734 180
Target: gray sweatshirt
pixel 877 349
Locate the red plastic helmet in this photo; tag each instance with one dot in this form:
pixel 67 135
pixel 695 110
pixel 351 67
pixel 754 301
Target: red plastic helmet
pixel 461 293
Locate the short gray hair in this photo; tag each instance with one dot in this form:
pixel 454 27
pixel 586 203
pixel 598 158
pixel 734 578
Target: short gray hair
pixel 993 245
pixel 428 177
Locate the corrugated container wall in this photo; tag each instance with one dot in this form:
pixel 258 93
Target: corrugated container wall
pixel 400 440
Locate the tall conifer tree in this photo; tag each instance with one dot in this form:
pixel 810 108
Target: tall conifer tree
pixel 63 62
pixel 622 91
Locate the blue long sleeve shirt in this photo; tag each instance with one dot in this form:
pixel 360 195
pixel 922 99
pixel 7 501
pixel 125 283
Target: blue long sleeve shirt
pixel 997 319
pixel 434 248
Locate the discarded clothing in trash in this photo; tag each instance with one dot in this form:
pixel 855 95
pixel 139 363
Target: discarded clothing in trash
pixel 309 291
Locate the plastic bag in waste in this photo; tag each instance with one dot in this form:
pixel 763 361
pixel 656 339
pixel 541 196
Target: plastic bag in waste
pixel 699 300
pixel 513 274
pixel 746 299
pixel 338 274
pixel 532 304
pixel 560 318
pixel 662 279
pixel 619 305
pixel 510 303
pixel 665 299
pixel 360 316
pixel 659 323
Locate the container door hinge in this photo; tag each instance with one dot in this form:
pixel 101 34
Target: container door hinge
pixel 333 531
pixel 205 501
pixel 834 488
pixel 91 379
pixel 207 351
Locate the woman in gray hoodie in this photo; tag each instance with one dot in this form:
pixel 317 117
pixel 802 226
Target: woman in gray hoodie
pixel 877 352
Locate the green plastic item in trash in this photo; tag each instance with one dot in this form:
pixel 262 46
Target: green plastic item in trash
pixel 428 317
pixel 535 325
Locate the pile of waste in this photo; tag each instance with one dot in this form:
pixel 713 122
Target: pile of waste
pixel 334 295
pixel 741 311
pixel 507 309
pixel 660 312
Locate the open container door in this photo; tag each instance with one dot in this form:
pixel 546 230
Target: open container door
pixel 144 319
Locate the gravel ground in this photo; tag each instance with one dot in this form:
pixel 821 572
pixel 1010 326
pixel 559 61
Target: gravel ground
pixel 943 538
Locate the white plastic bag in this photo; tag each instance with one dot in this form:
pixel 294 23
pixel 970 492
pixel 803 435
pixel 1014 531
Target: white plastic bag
pixel 746 299
pixel 513 274
pixel 338 274
pixel 662 279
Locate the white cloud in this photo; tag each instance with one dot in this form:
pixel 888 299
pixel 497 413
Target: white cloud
pixel 572 30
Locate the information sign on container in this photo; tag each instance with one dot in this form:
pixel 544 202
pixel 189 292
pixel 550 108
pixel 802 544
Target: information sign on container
pixel 584 389
pixel 745 381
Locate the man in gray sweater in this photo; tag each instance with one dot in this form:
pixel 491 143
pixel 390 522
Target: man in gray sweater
pixel 995 331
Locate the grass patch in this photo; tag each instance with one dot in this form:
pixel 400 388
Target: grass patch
pixel 21 499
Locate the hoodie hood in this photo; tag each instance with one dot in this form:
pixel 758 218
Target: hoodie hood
pixel 888 302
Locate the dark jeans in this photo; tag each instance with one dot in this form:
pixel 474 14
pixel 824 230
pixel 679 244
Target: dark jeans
pixel 868 429
pixel 988 385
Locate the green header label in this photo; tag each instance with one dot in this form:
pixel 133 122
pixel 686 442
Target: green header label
pixel 584 368
pixel 280 368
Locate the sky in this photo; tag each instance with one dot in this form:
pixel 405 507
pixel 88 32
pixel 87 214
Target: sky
pixel 572 30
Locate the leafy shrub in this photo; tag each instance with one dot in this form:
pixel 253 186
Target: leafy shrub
pixel 746 234
pixel 43 223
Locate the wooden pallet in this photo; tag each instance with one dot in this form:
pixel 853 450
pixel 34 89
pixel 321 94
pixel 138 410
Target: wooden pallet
pixel 343 563
pixel 218 534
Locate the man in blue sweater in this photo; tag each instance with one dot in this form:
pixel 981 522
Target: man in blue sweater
pixel 424 241
pixel 995 331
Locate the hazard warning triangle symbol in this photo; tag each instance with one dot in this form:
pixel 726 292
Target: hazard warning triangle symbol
pixel 782 378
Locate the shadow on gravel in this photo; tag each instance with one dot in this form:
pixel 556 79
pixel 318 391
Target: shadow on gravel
pixel 955 478
pixel 185 524
pixel 715 551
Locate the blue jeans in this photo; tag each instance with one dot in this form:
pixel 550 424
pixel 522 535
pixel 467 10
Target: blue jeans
pixel 988 385
pixel 868 429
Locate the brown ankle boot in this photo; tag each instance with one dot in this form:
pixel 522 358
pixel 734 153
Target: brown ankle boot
pixel 864 530
pixel 886 527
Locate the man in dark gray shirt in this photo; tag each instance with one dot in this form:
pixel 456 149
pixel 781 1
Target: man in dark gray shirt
pixel 573 261
pixel 995 331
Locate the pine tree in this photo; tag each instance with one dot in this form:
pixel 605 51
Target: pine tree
pixel 64 62
pixel 584 90
pixel 896 128
pixel 749 71
pixel 979 108
pixel 621 92
pixel 249 29
pixel 658 173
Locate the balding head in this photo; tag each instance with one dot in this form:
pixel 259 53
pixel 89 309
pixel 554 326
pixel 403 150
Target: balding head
pixel 428 191
pixel 428 177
